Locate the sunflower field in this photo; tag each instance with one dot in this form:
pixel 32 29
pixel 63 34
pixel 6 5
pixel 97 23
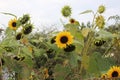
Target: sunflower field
pixel 81 51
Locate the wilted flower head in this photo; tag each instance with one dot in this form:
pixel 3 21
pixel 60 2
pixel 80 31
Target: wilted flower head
pixel 24 19
pixel 53 40
pixel 100 21
pixel 66 11
pixel 27 28
pixel 18 36
pixel 69 48
pixel 101 9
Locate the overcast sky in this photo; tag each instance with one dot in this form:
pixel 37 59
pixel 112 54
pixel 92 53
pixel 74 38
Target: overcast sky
pixel 47 12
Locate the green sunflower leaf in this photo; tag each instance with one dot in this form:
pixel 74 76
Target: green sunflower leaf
pixel 26 51
pixel 104 34
pixel 61 72
pixel 8 31
pixel 97 64
pixel 75 31
pixel 87 11
pixel 9 14
pixel 73 59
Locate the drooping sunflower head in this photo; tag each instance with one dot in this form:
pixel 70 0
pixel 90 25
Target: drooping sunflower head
pixel 27 28
pixel 19 58
pixel 19 36
pixel 13 24
pixel 66 11
pixel 101 9
pixel 50 53
pixel 99 42
pixel 104 76
pixel 114 72
pixel 100 21
pixel 24 19
pixel 53 40
pixel 63 39
pixel 69 48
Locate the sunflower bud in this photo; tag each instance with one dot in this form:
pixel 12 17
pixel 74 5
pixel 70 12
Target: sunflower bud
pixel 66 11
pixel 100 21
pixel 101 9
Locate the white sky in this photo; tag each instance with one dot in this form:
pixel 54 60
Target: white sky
pixel 48 12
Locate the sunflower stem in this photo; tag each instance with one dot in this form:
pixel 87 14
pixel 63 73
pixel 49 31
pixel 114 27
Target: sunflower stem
pixel 88 42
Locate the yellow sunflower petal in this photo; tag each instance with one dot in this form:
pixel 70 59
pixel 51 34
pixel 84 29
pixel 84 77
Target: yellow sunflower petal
pixel 13 24
pixel 63 39
pixel 114 72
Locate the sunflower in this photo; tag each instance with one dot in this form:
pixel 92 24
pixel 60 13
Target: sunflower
pixel 24 19
pixel 18 36
pixel 100 21
pixel 104 76
pixel 19 58
pixel 27 29
pixel 53 40
pixel 99 42
pixel 114 72
pixel 13 24
pixel 72 21
pixel 63 39
pixel 69 48
pixel 66 11
pixel 101 9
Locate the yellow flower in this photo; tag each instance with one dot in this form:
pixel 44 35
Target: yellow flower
pixel 104 76
pixel 101 9
pixel 114 72
pixel 63 39
pixel 100 21
pixel 13 24
pixel 30 49
pixel 46 75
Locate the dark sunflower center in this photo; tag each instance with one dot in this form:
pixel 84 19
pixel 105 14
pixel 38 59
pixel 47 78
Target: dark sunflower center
pixel 115 74
pixel 64 39
pixel 103 76
pixel 14 24
pixel 72 20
